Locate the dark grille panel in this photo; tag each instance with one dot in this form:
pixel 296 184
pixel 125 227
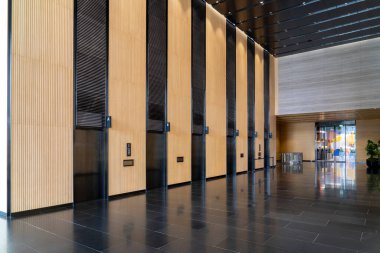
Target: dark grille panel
pixel 198 64
pixel 157 63
pixel 251 103
pixel 251 87
pixel 91 62
pixel 231 79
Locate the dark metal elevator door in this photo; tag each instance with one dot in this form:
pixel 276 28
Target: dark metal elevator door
pixel 90 93
pixel 198 83
pixel 157 92
pixel 88 165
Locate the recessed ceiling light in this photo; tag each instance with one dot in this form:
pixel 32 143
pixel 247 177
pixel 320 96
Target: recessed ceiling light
pixel 262 2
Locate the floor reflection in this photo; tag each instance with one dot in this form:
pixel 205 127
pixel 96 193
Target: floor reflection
pixel 309 207
pixel 335 175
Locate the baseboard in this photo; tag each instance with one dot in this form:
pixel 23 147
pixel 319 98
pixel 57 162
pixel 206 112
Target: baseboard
pixel 241 172
pixel 178 184
pixel 215 178
pixel 127 194
pixel 41 210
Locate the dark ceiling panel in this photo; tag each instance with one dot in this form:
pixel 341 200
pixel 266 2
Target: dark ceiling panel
pixel 286 27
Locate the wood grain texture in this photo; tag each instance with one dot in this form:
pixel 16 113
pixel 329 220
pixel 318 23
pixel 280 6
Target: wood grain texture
pixel 216 152
pixel 272 98
pixel 127 95
pixel 42 104
pixel 339 78
pixel 179 91
pixel 331 116
pixel 259 105
pixel 3 106
pixel 366 130
pixel 298 137
pixel 241 102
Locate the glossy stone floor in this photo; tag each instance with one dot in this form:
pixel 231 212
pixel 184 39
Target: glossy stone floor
pixel 331 208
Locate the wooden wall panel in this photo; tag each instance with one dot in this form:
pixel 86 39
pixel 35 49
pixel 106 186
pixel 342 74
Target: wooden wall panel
pixel 241 102
pixel 344 77
pixel 259 106
pixel 127 95
pixel 3 105
pixel 216 153
pixel 179 91
pixel 298 137
pixel 366 130
pixel 42 104
pixel 272 98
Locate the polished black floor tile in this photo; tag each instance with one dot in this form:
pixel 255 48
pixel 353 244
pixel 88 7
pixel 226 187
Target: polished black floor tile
pixel 331 208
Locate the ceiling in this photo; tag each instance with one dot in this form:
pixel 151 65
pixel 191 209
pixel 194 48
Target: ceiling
pixel 363 114
pixel 286 27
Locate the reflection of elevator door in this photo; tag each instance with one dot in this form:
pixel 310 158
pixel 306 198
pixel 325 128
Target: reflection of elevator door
pixel 215 93
pixel 179 92
pixel 156 94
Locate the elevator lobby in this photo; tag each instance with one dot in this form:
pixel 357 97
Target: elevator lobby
pixel 190 126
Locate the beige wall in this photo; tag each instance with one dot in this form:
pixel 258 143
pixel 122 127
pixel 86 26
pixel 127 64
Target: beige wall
pixel 179 91
pixel 297 137
pixel 216 151
pixel 42 104
pixel 366 130
pixel 126 94
pixel 3 104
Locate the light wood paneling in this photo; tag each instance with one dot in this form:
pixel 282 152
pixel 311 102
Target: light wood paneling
pixel 42 103
pixel 259 105
pixel 179 91
pixel 127 95
pixel 241 102
pixel 3 105
pixel 216 152
pixel 272 98
pixel 331 116
pixel 298 137
pixel 366 130
pixel 339 78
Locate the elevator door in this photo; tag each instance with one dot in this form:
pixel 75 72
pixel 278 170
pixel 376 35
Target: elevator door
pixel 198 82
pixel 91 74
pixel 156 94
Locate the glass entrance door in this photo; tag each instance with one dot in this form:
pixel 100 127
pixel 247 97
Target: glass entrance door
pixel 335 141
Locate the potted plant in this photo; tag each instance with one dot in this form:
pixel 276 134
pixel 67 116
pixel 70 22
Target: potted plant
pixel 373 152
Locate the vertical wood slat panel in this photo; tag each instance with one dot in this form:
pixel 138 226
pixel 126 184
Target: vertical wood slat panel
pixel 259 105
pixel 127 95
pixel 179 91
pixel 216 154
pixel 241 102
pixel 42 104
pixel 272 98
pixel 4 106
